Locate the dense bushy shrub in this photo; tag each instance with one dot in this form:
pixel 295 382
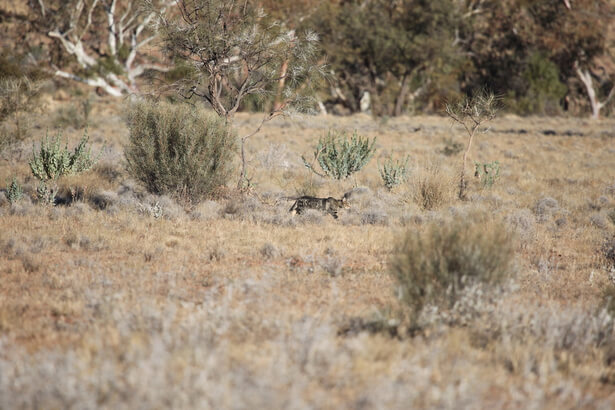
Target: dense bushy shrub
pixel 433 266
pixel 178 150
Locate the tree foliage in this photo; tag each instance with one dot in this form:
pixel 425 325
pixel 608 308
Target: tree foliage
pixel 394 50
pixel 232 50
pixel 102 43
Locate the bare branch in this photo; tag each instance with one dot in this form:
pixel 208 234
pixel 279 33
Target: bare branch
pixel 94 82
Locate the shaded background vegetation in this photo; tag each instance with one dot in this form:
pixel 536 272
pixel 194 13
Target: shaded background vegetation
pixel 392 57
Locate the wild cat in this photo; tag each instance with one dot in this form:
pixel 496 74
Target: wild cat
pixel 329 205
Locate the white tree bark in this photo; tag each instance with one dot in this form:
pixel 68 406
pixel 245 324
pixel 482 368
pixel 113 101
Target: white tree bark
pixel 126 37
pixel 586 78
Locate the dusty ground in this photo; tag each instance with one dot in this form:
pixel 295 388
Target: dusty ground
pixel 125 300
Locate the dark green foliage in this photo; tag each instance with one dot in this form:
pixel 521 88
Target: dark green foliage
pixel 512 41
pixel 544 88
pixel 178 149
pixel 434 265
pixel 340 156
pixel 391 49
pixel 393 172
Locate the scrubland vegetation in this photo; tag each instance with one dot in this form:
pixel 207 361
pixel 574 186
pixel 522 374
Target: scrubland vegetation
pixel 148 258
pixel 116 297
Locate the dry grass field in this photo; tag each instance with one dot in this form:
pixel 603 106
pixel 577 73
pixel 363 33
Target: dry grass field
pixel 120 299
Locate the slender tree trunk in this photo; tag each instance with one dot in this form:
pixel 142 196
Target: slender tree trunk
pixel 278 98
pixel 463 184
pixel 586 78
pixel 401 97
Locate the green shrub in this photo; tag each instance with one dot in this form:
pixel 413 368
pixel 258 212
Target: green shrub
pixel 544 88
pixel 487 172
pixel 178 150
pixel 54 161
pixel 340 156
pixel 394 173
pixel 14 192
pixel 433 266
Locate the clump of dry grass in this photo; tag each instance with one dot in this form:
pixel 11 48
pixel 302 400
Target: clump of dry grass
pixel 545 208
pixel 524 224
pixel 331 262
pixel 269 251
pixel 206 211
pixel 434 265
pixel 432 187
pixel 599 220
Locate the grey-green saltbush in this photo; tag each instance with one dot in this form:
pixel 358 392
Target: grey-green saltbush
pixel 52 161
pixel 178 150
pixel 340 156
pixel 434 265
pixel 393 173
pixel 14 192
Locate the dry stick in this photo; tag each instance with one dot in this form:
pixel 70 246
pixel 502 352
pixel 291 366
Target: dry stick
pixel 462 182
pixel 242 176
pixel 312 167
pixel 471 132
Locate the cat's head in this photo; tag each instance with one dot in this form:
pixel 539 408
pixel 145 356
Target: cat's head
pixel 345 201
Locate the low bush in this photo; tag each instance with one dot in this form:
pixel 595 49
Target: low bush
pixel 433 266
pixel 431 187
pixel 52 161
pixel 340 156
pixel 393 173
pixel 14 192
pixel 178 150
pixel 488 172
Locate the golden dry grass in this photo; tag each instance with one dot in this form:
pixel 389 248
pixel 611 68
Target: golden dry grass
pixel 237 304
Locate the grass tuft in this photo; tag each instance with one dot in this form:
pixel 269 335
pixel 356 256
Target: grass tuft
pixel 433 266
